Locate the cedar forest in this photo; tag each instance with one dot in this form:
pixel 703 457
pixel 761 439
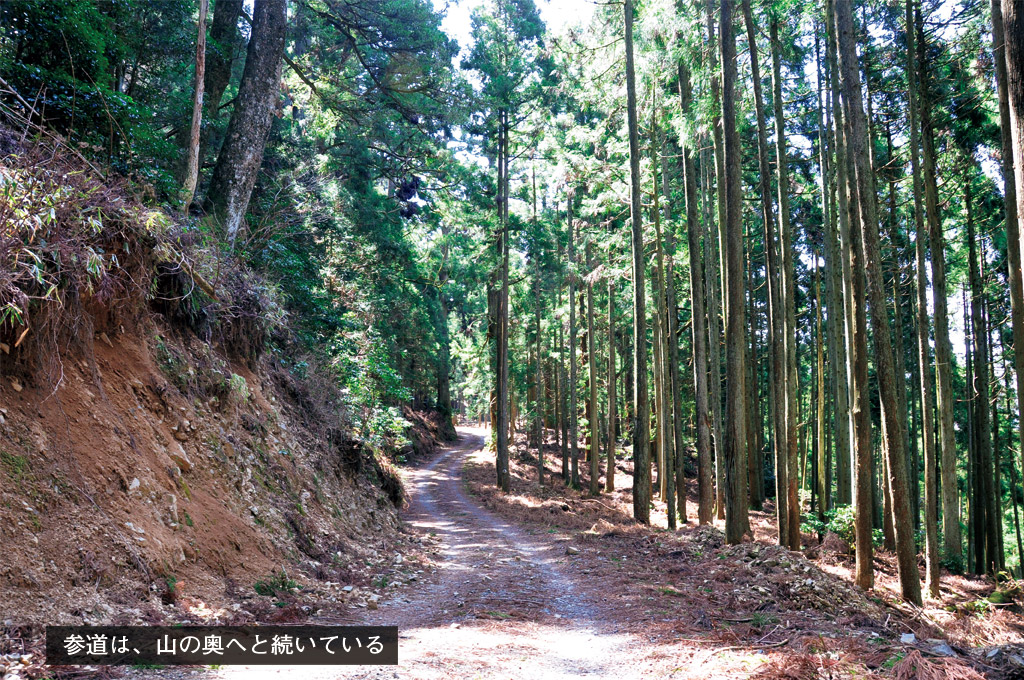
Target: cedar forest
pixel 767 245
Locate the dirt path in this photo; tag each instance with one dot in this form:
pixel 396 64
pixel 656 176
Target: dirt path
pixel 505 603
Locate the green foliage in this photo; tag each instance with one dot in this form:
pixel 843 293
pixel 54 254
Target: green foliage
pixel 89 67
pixel 277 582
pixel 839 520
pixel 15 466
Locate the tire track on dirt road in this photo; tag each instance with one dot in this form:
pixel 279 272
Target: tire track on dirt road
pixel 503 604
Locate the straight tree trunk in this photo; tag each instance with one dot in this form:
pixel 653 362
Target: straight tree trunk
pixel 574 452
pixel 641 419
pixel 219 57
pixel 595 433
pixel 836 317
pixel 675 384
pixel 563 398
pixel 853 256
pixel 895 422
pixel 609 475
pixel 1012 17
pixel 850 278
pixel 989 537
pixel 931 511
pixel 737 524
pixel 788 288
pixel 705 489
pixel 755 464
pixel 713 241
pixel 539 402
pixel 773 278
pixel 192 162
pixel 943 349
pixel 822 487
pixel 776 312
pixel 242 153
pixel 666 480
pixel 505 418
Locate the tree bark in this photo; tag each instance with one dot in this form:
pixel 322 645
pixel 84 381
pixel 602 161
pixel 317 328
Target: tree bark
pixel 895 422
pixel 931 511
pixel 192 156
pixel 774 279
pixel 641 418
pixel 609 475
pixel 574 452
pixel 595 432
pixel 943 349
pixel 988 540
pixel 788 288
pixel 737 524
pixel 675 384
pixel 844 467
pixel 705 489
pixel 713 241
pixel 666 434
pixel 242 153
pixel 1010 33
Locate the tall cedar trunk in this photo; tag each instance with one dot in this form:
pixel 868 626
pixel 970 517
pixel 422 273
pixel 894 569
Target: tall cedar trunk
pixel 899 348
pixel 659 393
pixel 675 385
pixel 595 432
pixel 895 421
pixel 242 153
pixel 773 277
pixel 836 317
pixel 705 489
pixel 501 426
pixel 1012 215
pixel 609 475
pixel 444 396
pixel 884 514
pixel 641 417
pixel 563 418
pixel 989 538
pixel 1013 93
pixel 777 375
pixel 219 57
pixel 713 240
pixel 666 433
pixel 192 156
pixel 943 348
pixel 737 524
pixel 976 503
pixel 755 467
pixel 819 416
pixel 788 287
pixel 538 387
pixel 850 277
pixel 863 481
pixel 931 508
pixel 574 451
pixel 539 403
pixel 1013 477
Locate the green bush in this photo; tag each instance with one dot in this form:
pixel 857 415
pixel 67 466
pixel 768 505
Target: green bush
pixel 274 584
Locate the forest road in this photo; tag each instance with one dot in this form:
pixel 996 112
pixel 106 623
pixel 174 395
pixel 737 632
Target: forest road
pixel 504 604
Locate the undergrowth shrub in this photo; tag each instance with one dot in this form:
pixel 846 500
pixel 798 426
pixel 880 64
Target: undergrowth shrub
pixel 74 252
pixel 838 520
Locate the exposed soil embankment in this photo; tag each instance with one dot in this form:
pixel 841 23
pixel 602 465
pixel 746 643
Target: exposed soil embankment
pixel 120 493
pixel 157 460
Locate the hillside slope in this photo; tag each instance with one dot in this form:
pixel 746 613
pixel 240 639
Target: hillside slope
pixel 151 450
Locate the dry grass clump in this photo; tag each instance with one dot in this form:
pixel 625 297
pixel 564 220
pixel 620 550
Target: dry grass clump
pixel 914 666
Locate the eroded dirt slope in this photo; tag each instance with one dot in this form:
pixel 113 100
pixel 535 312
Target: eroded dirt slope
pixel 125 496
